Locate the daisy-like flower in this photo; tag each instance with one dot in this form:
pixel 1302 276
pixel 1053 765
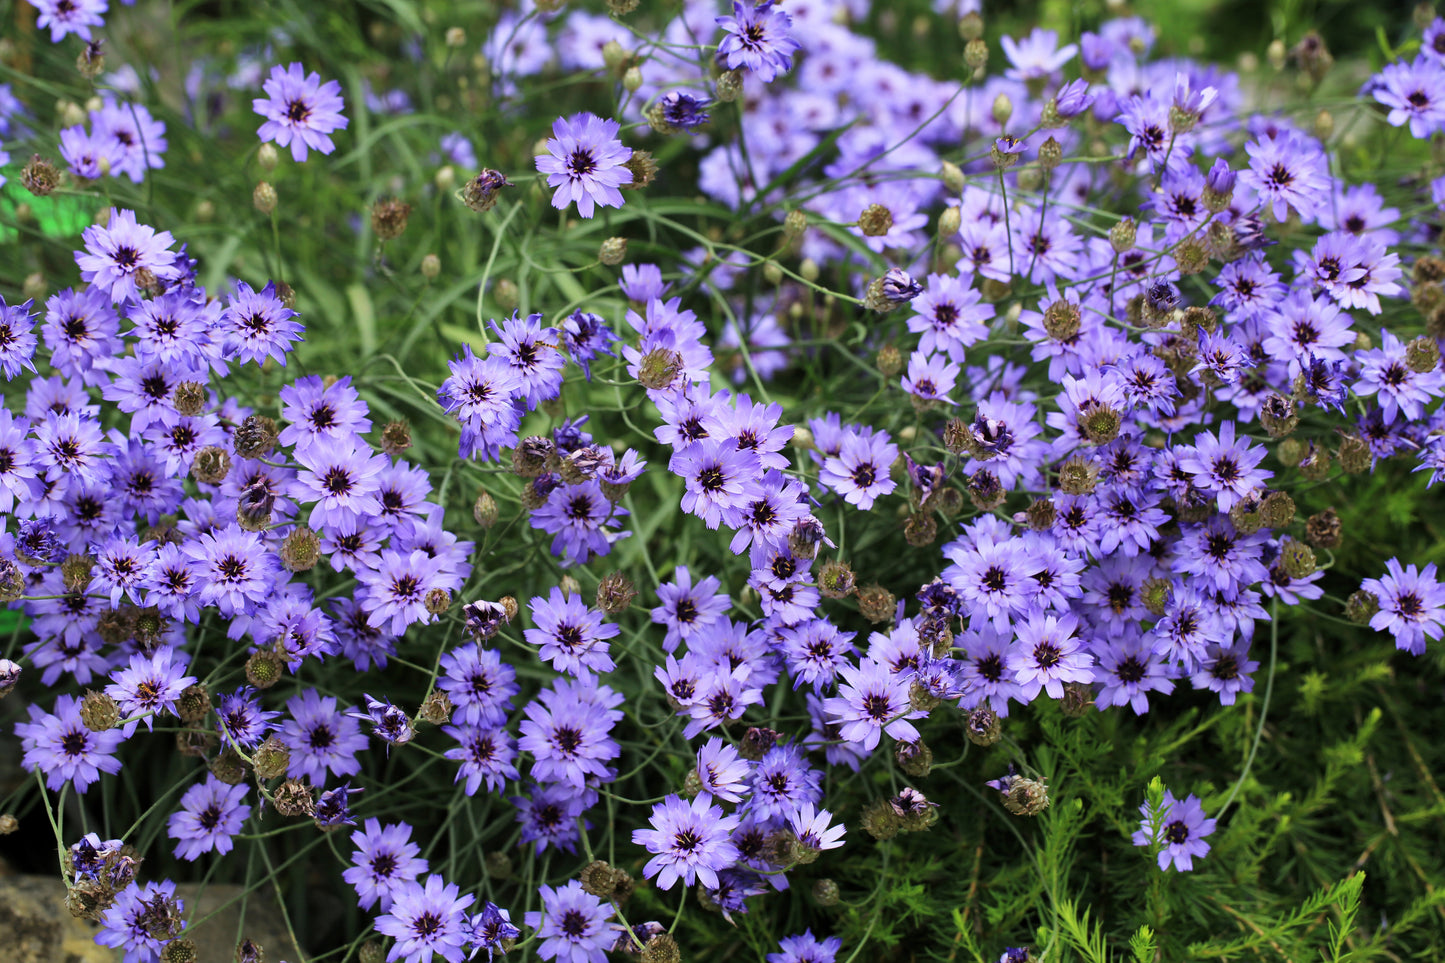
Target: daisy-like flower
pixel 258 325
pixel 150 684
pixel 1224 467
pixel 1129 670
pixel 757 39
pixel 1287 171
pixel 321 738
pixel 1415 94
pixel 859 472
pixel 1385 373
pixel 384 861
pixel 240 718
pixel 870 701
pixel 812 829
pixel 65 17
pixel 691 841
pixel 300 111
pixel 114 254
pixel 485 755
pixel 722 772
pixel 64 749
pixel 569 635
pixel 479 684
pixel 17 338
pixel 142 920
pixel 585 162
pixel 572 925
pixel 237 573
pixel 211 813
pixel 427 919
pixel 804 947
pixel 1412 605
pixel 688 608
pixel 1037 56
pixel 1179 827
pixel 716 473
pixel 1047 654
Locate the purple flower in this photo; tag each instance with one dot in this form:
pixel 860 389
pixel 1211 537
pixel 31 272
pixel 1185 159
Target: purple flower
pixel 65 17
pixel 585 162
pixel 258 324
pixel 679 110
pixel 240 718
pixel 690 840
pixel 1178 828
pixel 321 738
pixel 812 829
pixel 138 915
pixel 757 39
pixel 489 928
pixel 1037 56
pixel 1412 605
pixel 17 338
pixel 384 861
pixel 64 749
pixel 722 772
pixel 1046 654
pixel 425 920
pixel 211 813
pixel 236 572
pixel 716 473
pixel 571 925
pixel 1415 94
pixel 569 740
pixel 870 701
pixel 140 139
pixel 479 684
pixel 397 589
pixel 1128 670
pixel 150 684
pixel 549 816
pixel 388 722
pixel 576 515
pixel 859 472
pixel 570 636
pixel 485 755
pixel 1385 374
pixel 806 948
pixel 1287 171
pixel 782 782
pixel 114 254
pixel 950 315
pixel 1224 467
pixel 300 111
pixel 1225 670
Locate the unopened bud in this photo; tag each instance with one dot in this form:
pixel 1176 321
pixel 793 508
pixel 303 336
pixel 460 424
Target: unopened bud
pixel 949 222
pixel 264 198
pixel 506 294
pixel 613 251
pixel 99 712
pixel 875 221
pixel 431 266
pixel 271 759
pixel 615 593
pixel 632 79
pixel 267 157
pixel 1123 235
pixel 1002 110
pixel 211 465
pixel 1026 797
pixel 876 603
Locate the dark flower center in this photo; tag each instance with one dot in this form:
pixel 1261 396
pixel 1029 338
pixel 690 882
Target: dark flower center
pixel 865 475
pixel 711 479
pixel 337 481
pixel 1226 668
pixel 1176 832
pixel 75 743
pixel 1047 655
pixel 567 739
pixel 876 706
pixel 581 163
pixel 297 111
pixel 1130 670
pixel 426 925
pixel 686 611
pixel 322 738
pixel 574 924
pixel 384 865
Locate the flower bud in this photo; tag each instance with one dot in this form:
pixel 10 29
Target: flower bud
pixel 484 510
pixel 181 950
pixel 920 530
pixel 613 251
pixel 497 865
pixel 1123 235
pixel 983 727
pixel 1422 355
pixel 228 767
pixel 40 177
pixel 632 79
pixel 267 157
pixel 211 465
pixel 1026 797
pixel 75 572
pixel 757 740
pixel 729 86
pixel 8 824
pixel 506 294
pixel 825 893
pixel 1051 154
pixel 91 61
pixel 876 603
pixel 255 437
pixel 10 673
pixel 914 758
pixel 193 703
pixel 836 580
pixel 1002 110
pixel 271 759
pixel 598 878
pixel 389 218
pixel 300 550
pixel 264 198
pixel 875 221
pixel 1041 514
pixel 1276 510
pixel 1361 607
pixel 660 368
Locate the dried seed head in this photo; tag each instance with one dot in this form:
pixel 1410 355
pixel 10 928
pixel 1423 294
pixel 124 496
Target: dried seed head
pixel 40 177
pixel 255 437
pixel 181 950
pixel 1062 320
pixel 270 759
pixel 300 550
pixel 1279 415
pixel 263 668
pixel 389 217
pixel 193 703
pixel 1316 462
pixel 1123 235
pixel 189 398
pixel 984 490
pixel 621 8
pixel 395 438
pixel 662 948
pixel 1026 797
pixel 660 368
pixel 1051 154
pixel 1191 256
pixel 1245 515
pixel 598 878
pixel 437 601
pixel 1078 699
pixel 1041 514
pixel 615 593
pixel 729 86
pixel 1276 510
pixel 197 742
pixel 1354 454
pixel 1100 422
pixel 1078 476
pixel 1324 529
pixel 983 727
pixel 795 223
pixel 1422 355
pixel 293 798
pixel 1297 560
pixel 1154 594
pixel 481 192
pixel 249 951
pixel 825 892
pixel 876 603
pixel 8 824
pixel 99 712
pixel 91 61
pixel 436 708
pixel 530 457
pixel 1361 606
pixel 229 767
pixel 643 168
pixel 921 529
pixel 757 740
pixel 875 221
pixel 880 821
pixel 371 952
